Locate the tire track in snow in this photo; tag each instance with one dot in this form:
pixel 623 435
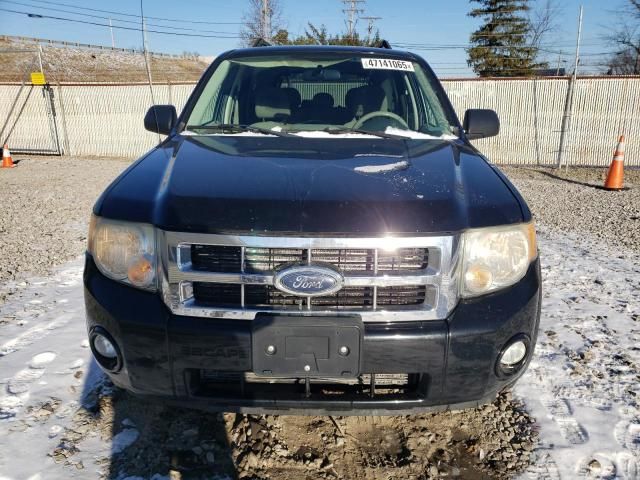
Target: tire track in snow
pixel 34 333
pixel 39 308
pixel 583 384
pixel 43 360
pixel 19 386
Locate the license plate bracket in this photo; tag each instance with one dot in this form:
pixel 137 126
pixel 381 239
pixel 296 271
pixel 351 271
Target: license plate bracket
pixel 306 346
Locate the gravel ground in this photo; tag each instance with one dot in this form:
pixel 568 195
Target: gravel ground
pixel 186 444
pixel 574 201
pixel 46 204
pixel 494 441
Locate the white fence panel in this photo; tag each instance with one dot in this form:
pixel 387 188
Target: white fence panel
pixel 26 118
pixel 531 112
pixel 107 119
pixel 603 110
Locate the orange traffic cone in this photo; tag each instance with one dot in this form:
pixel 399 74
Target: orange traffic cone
pixel 7 162
pixel 615 177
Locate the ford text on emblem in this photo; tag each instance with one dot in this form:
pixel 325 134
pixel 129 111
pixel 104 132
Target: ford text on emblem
pixel 308 281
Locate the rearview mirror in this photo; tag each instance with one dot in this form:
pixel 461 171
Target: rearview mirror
pixel 481 123
pixel 161 119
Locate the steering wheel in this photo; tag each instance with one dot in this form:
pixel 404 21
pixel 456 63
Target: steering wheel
pixel 364 119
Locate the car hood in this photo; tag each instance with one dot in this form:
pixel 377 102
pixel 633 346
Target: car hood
pixel 359 186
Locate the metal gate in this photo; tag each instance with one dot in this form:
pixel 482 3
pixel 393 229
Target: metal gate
pixel 30 107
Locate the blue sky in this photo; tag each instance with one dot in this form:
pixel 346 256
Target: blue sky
pixel 428 22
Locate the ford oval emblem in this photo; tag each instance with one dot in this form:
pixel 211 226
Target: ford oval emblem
pixel 308 281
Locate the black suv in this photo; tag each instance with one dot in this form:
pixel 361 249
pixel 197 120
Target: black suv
pixel 315 234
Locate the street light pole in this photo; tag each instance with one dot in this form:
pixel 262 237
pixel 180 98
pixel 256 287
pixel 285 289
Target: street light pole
pixel 113 42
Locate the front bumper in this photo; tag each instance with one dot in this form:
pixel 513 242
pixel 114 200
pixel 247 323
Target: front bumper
pixel 452 362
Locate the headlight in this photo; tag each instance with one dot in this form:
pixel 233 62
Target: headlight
pixel 496 257
pixel 124 251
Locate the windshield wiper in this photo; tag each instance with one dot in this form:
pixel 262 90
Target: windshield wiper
pixel 234 127
pixel 340 130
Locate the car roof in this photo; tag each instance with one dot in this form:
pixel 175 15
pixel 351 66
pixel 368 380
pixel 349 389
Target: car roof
pixel 319 49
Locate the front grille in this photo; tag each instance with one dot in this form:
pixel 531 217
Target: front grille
pixel 381 379
pixel 256 296
pixel 206 258
pixel 383 279
pixel 221 294
pixel 385 386
pixel 215 258
pixel 363 260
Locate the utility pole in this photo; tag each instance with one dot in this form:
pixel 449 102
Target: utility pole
pixel 371 21
pixel 113 42
pixel 145 48
pixel 266 20
pixel 145 42
pixel 568 107
pixel 40 57
pixel 352 12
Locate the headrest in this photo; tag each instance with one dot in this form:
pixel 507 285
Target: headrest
pixel 295 99
pixel 323 100
pixel 272 103
pixel 365 99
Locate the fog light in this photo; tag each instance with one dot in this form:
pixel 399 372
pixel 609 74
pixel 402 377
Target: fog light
pixel 514 354
pixel 104 346
pixel 513 357
pixel 105 350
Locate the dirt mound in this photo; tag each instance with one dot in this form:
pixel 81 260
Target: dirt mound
pixel 493 441
pixel 83 64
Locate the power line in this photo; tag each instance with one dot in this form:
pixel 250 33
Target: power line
pixel 461 68
pixel 552 45
pixel 135 22
pixel 73 20
pixel 497 11
pixel 133 15
pixel 437 47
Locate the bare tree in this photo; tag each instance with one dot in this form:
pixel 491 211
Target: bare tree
pixel 544 19
pixel 257 22
pixel 626 61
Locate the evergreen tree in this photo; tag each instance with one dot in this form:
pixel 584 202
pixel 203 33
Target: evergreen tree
pixel 501 46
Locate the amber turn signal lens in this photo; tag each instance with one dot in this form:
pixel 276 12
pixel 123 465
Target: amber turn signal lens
pixel 141 271
pixel 533 244
pixel 477 278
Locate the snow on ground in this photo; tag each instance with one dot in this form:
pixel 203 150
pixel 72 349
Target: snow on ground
pixel 582 386
pixel 44 362
pixel 584 382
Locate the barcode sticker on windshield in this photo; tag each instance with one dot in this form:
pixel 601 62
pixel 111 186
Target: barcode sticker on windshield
pixel 387 64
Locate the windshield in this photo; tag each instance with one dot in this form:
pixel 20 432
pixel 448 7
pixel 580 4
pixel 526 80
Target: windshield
pixel 333 93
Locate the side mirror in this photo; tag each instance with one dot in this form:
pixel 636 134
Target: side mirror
pixel 161 119
pixel 481 123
